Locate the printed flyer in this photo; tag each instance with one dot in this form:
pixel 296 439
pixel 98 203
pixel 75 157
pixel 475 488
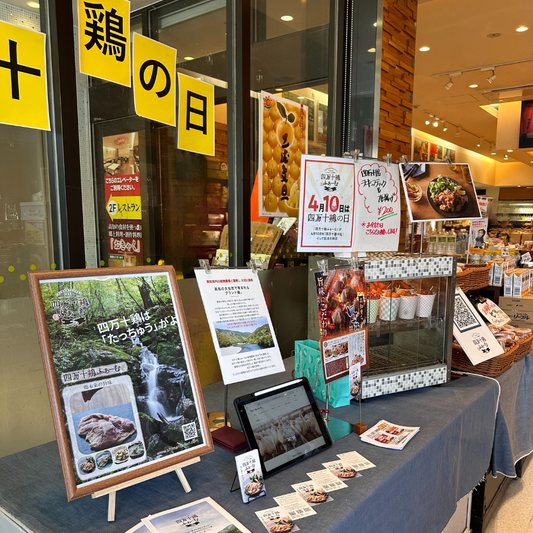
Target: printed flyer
pixel 377 207
pixel 342 318
pixel 341 469
pixel 355 460
pixel 201 516
pixel 439 191
pixel 312 493
pixel 327 200
pixel 250 476
pixel 478 233
pixel 327 480
pixel 282 143
pixel 387 435
pixel 126 389
pixel 471 332
pixel 277 520
pixel 295 505
pixel 240 324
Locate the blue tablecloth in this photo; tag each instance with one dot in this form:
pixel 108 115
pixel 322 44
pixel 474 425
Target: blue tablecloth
pixel 414 490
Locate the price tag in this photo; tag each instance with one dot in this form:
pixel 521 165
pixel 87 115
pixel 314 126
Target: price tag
pixel 505 251
pixel 526 258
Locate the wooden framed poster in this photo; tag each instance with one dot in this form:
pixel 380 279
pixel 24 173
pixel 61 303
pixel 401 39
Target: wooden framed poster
pixel 124 390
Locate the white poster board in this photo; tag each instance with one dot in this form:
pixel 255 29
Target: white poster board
pixel 377 207
pixel 471 332
pixel 240 324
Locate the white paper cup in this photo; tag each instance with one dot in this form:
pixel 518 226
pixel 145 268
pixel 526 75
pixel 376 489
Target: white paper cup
pixel 372 310
pixel 425 305
pixel 388 308
pixel 408 307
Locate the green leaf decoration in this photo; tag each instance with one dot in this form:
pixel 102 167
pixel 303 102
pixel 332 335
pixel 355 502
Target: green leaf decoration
pixel 281 109
pixel 291 118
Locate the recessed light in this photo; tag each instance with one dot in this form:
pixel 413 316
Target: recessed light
pixel 493 153
pixel 435 124
pixel 493 35
pixel 36 5
pixel 375 24
pixel 301 97
pixel 509 150
pixel 519 185
pixel 279 90
pixel 188 58
pixel 531 162
pixel 478 145
pixel 473 86
pixel 520 29
pixel 372 50
pixel 428 122
pixel 287 18
pixel 424 49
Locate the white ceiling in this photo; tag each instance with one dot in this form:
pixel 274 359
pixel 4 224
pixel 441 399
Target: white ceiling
pixel 457 33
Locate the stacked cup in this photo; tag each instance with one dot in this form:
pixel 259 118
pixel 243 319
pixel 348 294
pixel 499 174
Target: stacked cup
pixel 408 306
pixel 425 305
pixel 388 307
pixel 372 309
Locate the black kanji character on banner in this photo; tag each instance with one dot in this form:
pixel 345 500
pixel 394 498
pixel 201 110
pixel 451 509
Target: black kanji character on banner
pixel 148 86
pixel 109 38
pixel 202 112
pixel 16 68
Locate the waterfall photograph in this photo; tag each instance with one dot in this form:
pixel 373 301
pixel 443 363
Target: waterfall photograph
pixel 122 371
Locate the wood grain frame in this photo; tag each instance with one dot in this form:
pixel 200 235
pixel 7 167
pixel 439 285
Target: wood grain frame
pixel 73 490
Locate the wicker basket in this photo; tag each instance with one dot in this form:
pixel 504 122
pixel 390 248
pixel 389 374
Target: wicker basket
pixel 491 368
pixel 462 279
pixel 524 347
pixel 479 277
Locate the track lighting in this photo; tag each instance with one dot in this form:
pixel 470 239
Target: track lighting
pixel 449 85
pixel 492 77
pixel 457 133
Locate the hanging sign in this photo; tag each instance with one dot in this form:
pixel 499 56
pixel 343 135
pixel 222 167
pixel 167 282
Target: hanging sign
pixel 479 228
pixel 377 207
pixel 471 332
pixel 282 142
pixel 23 87
pixel 104 40
pixel 154 87
pixel 439 191
pixel 327 199
pixel 196 116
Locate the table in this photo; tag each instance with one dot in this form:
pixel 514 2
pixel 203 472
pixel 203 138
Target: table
pixel 411 490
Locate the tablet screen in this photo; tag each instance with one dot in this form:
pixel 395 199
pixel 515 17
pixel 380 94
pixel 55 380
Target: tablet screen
pixel 283 423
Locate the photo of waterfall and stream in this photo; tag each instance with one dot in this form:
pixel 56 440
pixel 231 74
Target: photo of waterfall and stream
pixel 122 371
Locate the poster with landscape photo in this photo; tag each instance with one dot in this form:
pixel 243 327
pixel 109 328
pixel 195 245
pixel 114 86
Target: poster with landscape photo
pixel 121 375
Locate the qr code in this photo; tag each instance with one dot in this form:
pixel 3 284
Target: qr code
pixel 463 318
pixel 189 431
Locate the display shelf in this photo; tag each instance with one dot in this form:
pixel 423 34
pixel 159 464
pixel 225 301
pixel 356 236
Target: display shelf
pixel 389 359
pixel 381 327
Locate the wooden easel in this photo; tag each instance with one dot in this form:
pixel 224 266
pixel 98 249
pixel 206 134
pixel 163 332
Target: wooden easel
pixel 112 491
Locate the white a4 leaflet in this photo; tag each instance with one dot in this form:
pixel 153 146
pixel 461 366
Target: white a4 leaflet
pixel 250 476
pixel 240 324
pixel 387 435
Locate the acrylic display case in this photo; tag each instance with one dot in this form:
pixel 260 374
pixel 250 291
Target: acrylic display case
pixel 409 336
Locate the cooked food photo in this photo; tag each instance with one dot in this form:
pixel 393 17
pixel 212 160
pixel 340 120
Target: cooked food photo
pixel 254 486
pixel 104 431
pixel 346 473
pixel 317 496
pixel 354 390
pixel 136 450
pixel 121 455
pixel 447 194
pixel 414 192
pixel 281 526
pixel 88 465
pixel 104 460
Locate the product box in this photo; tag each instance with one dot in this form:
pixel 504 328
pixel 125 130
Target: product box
pixel 520 282
pixel 520 310
pixel 515 237
pixel 508 283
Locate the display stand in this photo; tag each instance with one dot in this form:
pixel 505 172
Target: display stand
pixel 112 492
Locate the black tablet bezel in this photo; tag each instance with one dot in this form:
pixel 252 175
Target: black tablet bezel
pixel 239 404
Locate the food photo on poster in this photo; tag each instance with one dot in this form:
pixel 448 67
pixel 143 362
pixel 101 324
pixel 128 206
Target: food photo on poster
pixel 283 126
pixel 125 385
pixel 439 191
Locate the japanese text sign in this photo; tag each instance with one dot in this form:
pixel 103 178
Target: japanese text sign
pixel 154 80
pixel 104 40
pixel 23 88
pixel 196 116
pixel 327 199
pixel 377 207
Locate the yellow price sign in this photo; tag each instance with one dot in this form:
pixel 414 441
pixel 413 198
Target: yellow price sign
pixel 104 39
pixel 154 80
pixel 196 116
pixel 124 207
pixel 23 88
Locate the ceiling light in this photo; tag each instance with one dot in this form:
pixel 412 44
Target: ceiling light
pixel 428 122
pixel 493 153
pixel 188 58
pixel 449 85
pixel 509 150
pixel 479 144
pixel 473 86
pixel 279 90
pixel 445 128
pixel 457 133
pixel 371 50
pixel 36 6
pixel 436 124
pixel 424 49
pixel 492 77
pixel 301 97
pixel 287 18
pixel 375 24
pixel 520 29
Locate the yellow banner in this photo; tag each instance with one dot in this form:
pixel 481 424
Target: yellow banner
pixel 23 90
pixel 196 116
pixel 104 39
pixel 124 207
pixel 154 75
